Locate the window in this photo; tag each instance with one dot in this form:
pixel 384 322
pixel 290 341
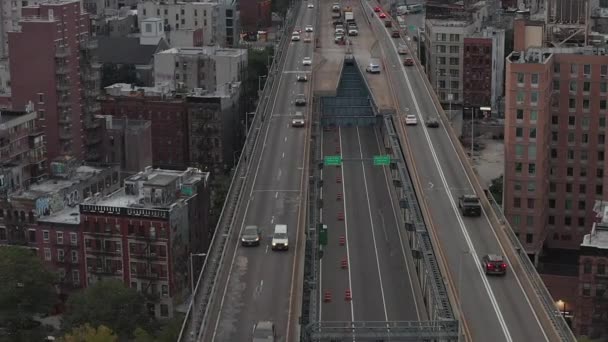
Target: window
pixel 602 121
pixel 534 97
pixel 529 238
pixel 573 86
pixel 519 132
pixel 587 69
pixel 587 267
pixel 520 77
pixel 534 79
pixel 571 120
pixel 164 290
pixel 570 154
pixel 518 167
pixel 517 186
pixel 532 133
pixel 599 173
pixel 600 155
pixel 531 186
pixel 586 86
pixel 601 268
pixel 572 103
pixel 164 310
pixel 454 49
pixel 45 235
pixel 519 150
pixel 516 220
pixel 453 60
pixel 530 221
pixel 586 289
pixel 599 189
pixel 568 204
pixel 551 219
pixel 581 205
pixel 600 289
pixel 60 255
pixel 531 152
pixel 552 187
pixel 47 254
pixel 586 104
pixel 533 115
pixel 517 202
pixel 73 239
pixel 603 86
pixel 555 84
pixel 75 277
pixel 567 222
pixel 530 203
pixel 573 68
pixel 556 68
pixel 554 120
pixel 531 168
pixel 552 203
pixel 520 96
pixel 581 222
pixel 582 188
pixel 60 238
pixel 569 187
pixel 74 257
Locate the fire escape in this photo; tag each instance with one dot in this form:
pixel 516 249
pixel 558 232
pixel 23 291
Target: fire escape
pixel 64 112
pixel 91 70
pixel 104 255
pixel 599 318
pixel 148 258
pixel 68 263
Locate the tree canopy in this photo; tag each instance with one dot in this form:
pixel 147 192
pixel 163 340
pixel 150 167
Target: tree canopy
pixel 87 333
pixel 107 303
pixel 26 287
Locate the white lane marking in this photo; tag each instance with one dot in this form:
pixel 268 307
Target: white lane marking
pixel 405 260
pixel 321 259
pixel 276 190
pixel 283 155
pixel 279 175
pixel 272 220
pixel 276 195
pixel 371 220
pixel 471 185
pixel 285 139
pixel 266 249
pixel 465 233
pixel 344 206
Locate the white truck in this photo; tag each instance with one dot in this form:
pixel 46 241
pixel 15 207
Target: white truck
pixel 349 16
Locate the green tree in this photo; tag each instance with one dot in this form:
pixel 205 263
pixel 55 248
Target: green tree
pixel 142 335
pixel 257 60
pixel 108 303
pixel 496 189
pixel 87 333
pixel 170 330
pixel 26 288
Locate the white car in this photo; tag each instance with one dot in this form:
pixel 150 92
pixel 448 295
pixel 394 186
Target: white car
pixel 295 38
pixel 411 120
pixel 308 28
pixel 310 6
pixel 307 61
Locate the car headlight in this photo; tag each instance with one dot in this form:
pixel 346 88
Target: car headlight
pixel 274 244
pixel 257 239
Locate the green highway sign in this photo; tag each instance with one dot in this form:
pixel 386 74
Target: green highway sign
pixel 412 28
pixel 332 160
pixel 382 160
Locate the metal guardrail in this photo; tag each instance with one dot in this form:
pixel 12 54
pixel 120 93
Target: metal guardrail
pixel 381 331
pixel 207 278
pixel 554 314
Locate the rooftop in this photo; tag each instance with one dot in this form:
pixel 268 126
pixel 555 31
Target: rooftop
pixel 541 55
pixel 50 186
pixel 12 118
pixel 126 197
pixel 598 238
pixel 163 91
pixel 66 216
pixel 204 50
pixel 127 50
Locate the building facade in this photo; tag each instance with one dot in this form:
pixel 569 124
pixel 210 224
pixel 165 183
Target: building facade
pixel 10 14
pixel 44 216
pixel 255 15
pixel 483 68
pixel 22 150
pixel 217 20
pixel 143 234
pixel 129 143
pixel 58 74
pixel 209 68
pixel 591 306
pixel 168 117
pixel 555 141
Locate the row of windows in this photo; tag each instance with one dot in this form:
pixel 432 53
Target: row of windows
pixel 59 237
pixel 582 188
pixel 48 256
pixel 516 221
pixel 443 48
pixel 182 11
pixel 600 268
pixel 585 121
pixel 587 86
pixel 75 275
pixel 574 69
pixel 453 60
pixel 600 290
pixel 582 155
pixel 572 103
pixel 443 37
pixel 444 72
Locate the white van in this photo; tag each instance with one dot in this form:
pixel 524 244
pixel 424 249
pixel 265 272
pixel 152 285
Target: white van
pixel 280 239
pixel 373 68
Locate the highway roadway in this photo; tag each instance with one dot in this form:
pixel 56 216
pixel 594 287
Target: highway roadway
pixel 258 283
pixel 377 271
pixel 495 309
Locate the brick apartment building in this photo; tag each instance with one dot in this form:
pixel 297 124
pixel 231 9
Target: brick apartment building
pixel 44 216
pixel 195 128
pixel 591 299
pixel 144 233
pixel 555 140
pixel 51 66
pixel 255 14
pixel 22 150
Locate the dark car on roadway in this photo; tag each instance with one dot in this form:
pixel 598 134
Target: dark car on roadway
pixel 251 236
pixel 494 264
pixel 432 123
pixel 300 100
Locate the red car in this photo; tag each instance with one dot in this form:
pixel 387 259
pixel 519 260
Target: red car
pixel 494 264
pixel 377 9
pixel 382 15
pixel 408 62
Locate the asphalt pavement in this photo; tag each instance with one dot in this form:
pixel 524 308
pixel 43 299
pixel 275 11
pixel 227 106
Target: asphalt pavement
pixel 377 271
pixel 258 283
pixel 495 309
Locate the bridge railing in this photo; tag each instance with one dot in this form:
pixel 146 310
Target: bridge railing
pixel 196 316
pixel 543 294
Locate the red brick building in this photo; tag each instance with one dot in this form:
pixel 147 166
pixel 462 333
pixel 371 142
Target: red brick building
pixel 255 14
pixel 591 306
pixel 477 72
pixel 50 65
pixel 143 234
pixel 169 119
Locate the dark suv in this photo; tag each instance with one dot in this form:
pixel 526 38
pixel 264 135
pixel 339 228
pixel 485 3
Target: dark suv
pixel 300 100
pixel 494 264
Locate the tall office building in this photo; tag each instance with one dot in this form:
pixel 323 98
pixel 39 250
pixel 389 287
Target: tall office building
pixel 51 66
pixel 555 139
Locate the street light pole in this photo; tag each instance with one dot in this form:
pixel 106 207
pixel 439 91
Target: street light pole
pixel 260 82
